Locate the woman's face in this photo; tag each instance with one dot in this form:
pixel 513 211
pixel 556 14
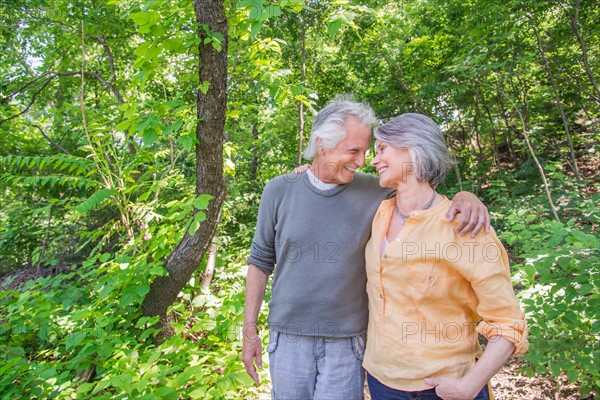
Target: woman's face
pixel 394 164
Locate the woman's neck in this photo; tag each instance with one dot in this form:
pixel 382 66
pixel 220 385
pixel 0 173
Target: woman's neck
pixel 413 196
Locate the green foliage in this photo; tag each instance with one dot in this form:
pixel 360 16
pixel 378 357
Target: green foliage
pixel 61 337
pixel 559 275
pixel 104 195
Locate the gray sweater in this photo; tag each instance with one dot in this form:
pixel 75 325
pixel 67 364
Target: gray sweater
pixel 317 240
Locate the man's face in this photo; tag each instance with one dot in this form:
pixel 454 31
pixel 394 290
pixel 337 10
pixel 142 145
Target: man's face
pixel 339 164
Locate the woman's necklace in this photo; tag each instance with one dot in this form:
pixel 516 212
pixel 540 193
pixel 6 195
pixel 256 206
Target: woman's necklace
pixel 404 217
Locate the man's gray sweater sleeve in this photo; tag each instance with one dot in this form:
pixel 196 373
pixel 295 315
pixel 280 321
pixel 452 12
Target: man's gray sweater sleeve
pixel 262 252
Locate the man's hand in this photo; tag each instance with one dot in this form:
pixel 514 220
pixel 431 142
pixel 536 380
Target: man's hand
pixel 474 214
pixel 256 281
pixel 452 389
pixel 251 352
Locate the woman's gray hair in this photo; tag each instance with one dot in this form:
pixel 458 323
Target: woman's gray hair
pixel 424 141
pixel 328 124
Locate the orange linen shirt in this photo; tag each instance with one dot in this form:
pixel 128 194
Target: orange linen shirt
pixel 430 292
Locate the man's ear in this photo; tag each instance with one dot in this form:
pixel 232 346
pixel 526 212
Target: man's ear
pixel 320 149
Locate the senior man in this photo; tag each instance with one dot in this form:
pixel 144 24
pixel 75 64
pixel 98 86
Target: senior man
pixel 314 228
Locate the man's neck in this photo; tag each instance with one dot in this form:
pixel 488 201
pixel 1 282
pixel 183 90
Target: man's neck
pixel 318 173
pixel 318 183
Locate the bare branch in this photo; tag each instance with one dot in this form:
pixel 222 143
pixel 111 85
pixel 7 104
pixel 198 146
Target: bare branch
pixel 35 95
pixel 110 86
pixel 53 143
pixel 21 60
pixel 97 75
pixel 52 75
pixel 27 85
pixel 111 60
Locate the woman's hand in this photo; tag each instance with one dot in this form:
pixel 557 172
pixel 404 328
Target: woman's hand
pixel 453 389
pixel 301 169
pixel 497 352
pixel 474 214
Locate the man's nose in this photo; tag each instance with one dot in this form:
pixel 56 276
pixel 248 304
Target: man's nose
pixel 361 160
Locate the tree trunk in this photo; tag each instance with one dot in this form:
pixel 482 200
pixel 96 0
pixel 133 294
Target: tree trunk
pixel 254 162
pixel 210 266
pixel 188 254
pixel 303 81
pixel 558 104
pixel 492 130
pixel 524 125
pixel 573 18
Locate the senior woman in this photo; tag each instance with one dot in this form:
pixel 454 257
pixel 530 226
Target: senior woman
pixel 430 290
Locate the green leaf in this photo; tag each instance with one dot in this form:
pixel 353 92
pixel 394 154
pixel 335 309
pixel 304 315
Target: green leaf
pixel 173 127
pixel 197 394
pixel 194 225
pixel 530 271
pixel 256 26
pixel 5 293
pixel 564 262
pixel 334 27
pixel 166 393
pixel 256 11
pixel 142 125
pixel 142 290
pixel 572 375
pixel 273 11
pixel 123 125
pixel 201 202
pixel 554 369
pixel 187 141
pixel 244 379
pixel 174 44
pixel 94 200
pixel 145 20
pixel 585 289
pixel 204 87
pixel 149 137
pixel 74 339
pixel 200 216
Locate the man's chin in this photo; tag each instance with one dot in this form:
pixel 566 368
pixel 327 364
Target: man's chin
pixel 347 178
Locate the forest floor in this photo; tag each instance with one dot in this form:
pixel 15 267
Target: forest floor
pixel 509 384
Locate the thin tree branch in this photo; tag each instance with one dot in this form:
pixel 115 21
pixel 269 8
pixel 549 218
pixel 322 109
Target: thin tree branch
pixel 573 19
pixel 35 95
pixel 52 75
pixel 21 60
pixel 97 75
pixel 46 240
pixel 559 104
pixel 111 60
pixel 26 85
pixel 53 143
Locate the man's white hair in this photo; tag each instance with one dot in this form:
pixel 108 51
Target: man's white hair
pixel 328 125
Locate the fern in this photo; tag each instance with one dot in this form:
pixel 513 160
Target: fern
pixel 60 171
pixel 94 200
pixel 49 181
pixel 58 163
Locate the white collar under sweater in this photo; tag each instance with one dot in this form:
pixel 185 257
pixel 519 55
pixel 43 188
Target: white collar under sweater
pixel 318 183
